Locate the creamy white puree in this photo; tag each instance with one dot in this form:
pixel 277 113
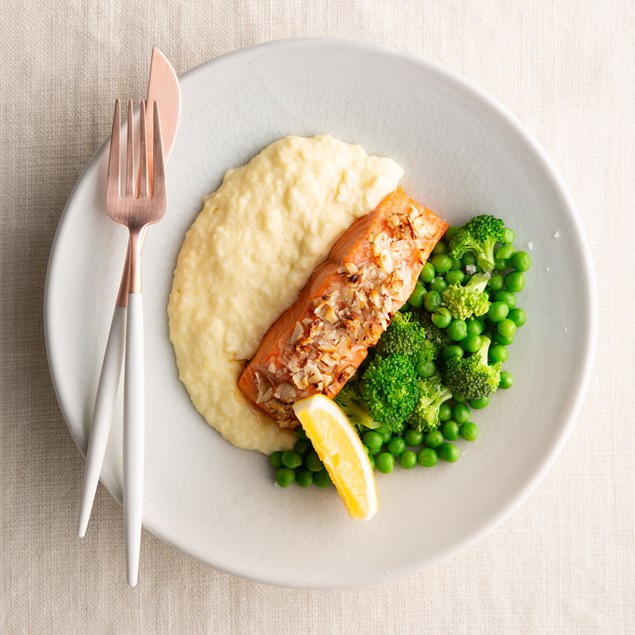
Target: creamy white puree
pixel 247 256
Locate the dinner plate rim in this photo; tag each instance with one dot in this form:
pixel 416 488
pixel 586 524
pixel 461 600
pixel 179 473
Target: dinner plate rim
pixel 473 91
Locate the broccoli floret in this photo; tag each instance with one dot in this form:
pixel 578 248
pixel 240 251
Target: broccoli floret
pixel 349 399
pixel 389 390
pixel 471 299
pixel 479 237
pixel 471 376
pixel 438 337
pixel 406 337
pixel 432 393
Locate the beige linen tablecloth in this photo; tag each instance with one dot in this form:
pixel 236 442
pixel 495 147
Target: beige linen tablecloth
pixel 564 563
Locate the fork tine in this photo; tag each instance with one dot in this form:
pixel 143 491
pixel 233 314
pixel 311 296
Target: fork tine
pixel 114 157
pixel 130 151
pixel 143 158
pixel 158 177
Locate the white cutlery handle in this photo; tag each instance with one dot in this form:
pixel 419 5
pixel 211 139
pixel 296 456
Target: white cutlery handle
pixel 102 414
pixel 133 435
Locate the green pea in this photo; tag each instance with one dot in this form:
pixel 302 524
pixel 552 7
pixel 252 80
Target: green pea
pixel 518 317
pixel 408 459
pixel 496 282
pixel 452 351
pixel 428 457
pixel 416 297
pixel 471 343
pixel 498 353
pixel 440 248
pixel 508 236
pixel 445 412
pixel 405 308
pixel 432 301
pixel 505 252
pixel 438 284
pixel 461 413
pixel 371 460
pixel 454 276
pixel 507 297
pixel 506 328
pixel 372 440
pixel 468 258
pixel 457 330
pixel 300 433
pixel 521 261
pixel 497 311
pixel 312 461
pixel 441 261
pixel 450 231
pixel 475 326
pixel 450 430
pixel 427 273
pixel 433 439
pixel 321 478
pixel 413 437
pixel 302 446
pixel 469 431
pixel 275 459
pixel 515 281
pixel 501 265
pixel 459 399
pixel 291 459
pixel 425 369
pixel 304 478
pixel 506 380
pixel 448 452
pixel 385 462
pixel 285 476
pixel 386 436
pixel 374 451
pixel 501 339
pixel 480 403
pixel 442 317
pixel 456 265
pixel 396 446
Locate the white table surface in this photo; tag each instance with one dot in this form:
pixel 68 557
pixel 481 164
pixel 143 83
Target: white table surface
pixel 564 563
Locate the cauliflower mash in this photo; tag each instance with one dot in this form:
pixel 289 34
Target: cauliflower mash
pixel 246 257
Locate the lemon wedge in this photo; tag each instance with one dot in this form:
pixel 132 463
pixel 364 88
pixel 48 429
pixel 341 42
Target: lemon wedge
pixel 341 450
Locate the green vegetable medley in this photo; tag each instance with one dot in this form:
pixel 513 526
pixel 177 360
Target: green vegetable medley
pixel 441 357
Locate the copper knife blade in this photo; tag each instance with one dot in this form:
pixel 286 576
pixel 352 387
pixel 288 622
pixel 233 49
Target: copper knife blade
pixel 163 87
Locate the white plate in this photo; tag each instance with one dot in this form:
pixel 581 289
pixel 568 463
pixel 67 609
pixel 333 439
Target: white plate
pixel 462 153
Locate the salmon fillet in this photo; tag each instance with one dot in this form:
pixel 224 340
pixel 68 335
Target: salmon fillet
pixel 317 344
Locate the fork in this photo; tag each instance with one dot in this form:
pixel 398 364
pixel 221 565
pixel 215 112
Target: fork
pixel 141 204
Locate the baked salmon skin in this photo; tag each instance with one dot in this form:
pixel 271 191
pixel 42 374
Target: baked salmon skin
pixel 317 344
